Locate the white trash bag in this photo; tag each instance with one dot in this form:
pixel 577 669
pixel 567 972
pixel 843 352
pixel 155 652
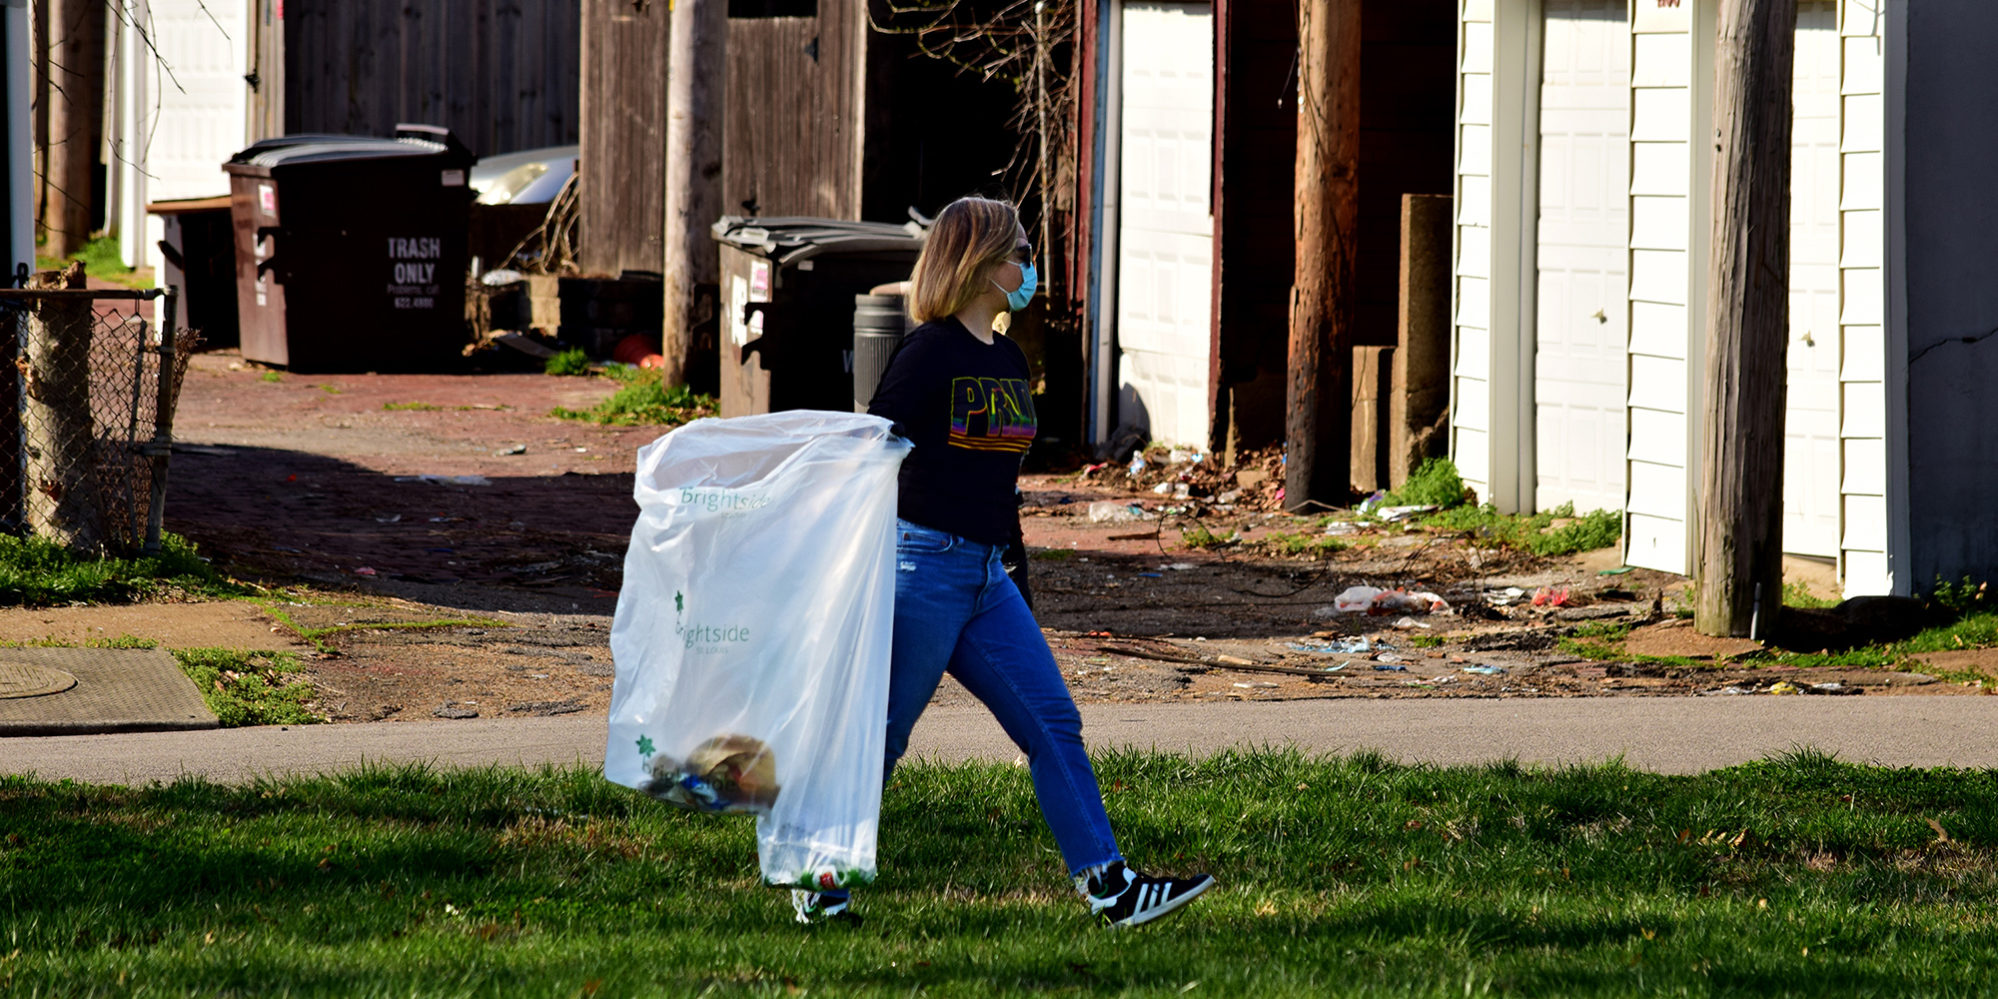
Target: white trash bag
pixel 752 634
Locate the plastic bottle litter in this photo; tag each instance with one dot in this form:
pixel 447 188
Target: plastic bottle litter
pixel 1343 647
pixel 1113 512
pixel 1486 670
pixel 1409 622
pixel 1137 464
pixel 1339 527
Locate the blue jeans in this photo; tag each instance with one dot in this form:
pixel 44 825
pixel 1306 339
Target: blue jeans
pixel 955 609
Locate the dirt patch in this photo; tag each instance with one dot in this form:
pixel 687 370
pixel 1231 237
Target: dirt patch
pixel 422 500
pixel 1676 637
pixel 232 624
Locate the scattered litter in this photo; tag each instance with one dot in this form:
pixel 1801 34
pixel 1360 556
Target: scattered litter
pixel 1162 488
pixel 364 571
pixel 447 480
pixel 1339 527
pixel 1501 598
pixel 1618 571
pixel 1181 457
pixel 1335 669
pixel 1137 464
pixel 1725 692
pixel 1345 647
pixel 512 449
pixel 1388 657
pixel 1369 504
pixel 1394 513
pixel 1409 622
pixel 1228 497
pixel 1113 512
pixel 1375 601
pixel 499 276
pixel 1551 596
pixel 1785 687
pixel 1442 679
pixel 1257 685
pixel 1152 575
pixel 1181 566
pixel 1486 670
pixel 1830 688
pixel 582 450
pixel 390 519
pixel 1389 668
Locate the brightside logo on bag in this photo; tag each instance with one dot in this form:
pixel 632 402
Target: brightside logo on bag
pixel 715 499
pixel 700 637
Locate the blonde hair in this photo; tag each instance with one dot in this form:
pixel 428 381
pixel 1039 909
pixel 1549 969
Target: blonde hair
pixel 969 235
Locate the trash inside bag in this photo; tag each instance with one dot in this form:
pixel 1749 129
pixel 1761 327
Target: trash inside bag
pixel 753 631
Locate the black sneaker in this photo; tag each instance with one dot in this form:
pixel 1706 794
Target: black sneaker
pixel 1123 897
pixel 821 908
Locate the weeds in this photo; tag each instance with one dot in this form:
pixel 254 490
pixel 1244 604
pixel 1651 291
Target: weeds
pixel 272 377
pixel 1537 533
pixel 103 258
pixel 569 362
pixel 1427 641
pixel 316 637
pixel 249 688
pixel 1799 595
pixel 645 400
pixel 1300 544
pixel 1436 483
pixel 37 572
pixel 411 407
pixel 1203 539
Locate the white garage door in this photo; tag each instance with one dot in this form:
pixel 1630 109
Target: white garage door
pixel 1165 233
pixel 1810 446
pixel 1579 357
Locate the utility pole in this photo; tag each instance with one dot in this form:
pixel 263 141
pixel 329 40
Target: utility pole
pixel 1318 416
pixel 1739 567
pixel 695 85
pixel 76 120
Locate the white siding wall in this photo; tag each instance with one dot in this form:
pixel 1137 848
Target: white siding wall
pixel 1662 231
pixel 1862 236
pixel 1471 412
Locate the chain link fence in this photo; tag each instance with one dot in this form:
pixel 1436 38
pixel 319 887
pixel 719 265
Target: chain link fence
pixel 86 412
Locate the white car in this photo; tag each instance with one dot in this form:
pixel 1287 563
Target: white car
pixel 528 177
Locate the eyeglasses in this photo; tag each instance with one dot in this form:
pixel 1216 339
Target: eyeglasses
pixel 1024 253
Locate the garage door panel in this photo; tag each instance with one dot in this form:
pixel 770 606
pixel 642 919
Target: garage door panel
pixel 1811 420
pixel 1581 233
pixel 1165 227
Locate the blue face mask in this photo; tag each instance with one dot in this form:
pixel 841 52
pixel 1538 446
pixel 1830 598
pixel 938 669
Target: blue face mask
pixel 1022 296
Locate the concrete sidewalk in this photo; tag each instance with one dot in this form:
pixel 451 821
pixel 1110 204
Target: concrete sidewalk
pixel 1669 735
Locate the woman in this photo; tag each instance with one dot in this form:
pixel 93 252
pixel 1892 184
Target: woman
pixel 961 395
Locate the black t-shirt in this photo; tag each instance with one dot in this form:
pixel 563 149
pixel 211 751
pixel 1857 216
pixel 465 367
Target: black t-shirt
pixel 969 409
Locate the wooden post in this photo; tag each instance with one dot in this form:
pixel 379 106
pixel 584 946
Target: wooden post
pixel 695 81
pixel 1420 397
pixel 59 445
pixel 1319 397
pixel 76 120
pixel 1739 563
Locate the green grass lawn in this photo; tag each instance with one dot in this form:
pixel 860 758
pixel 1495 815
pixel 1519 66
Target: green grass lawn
pixel 1801 877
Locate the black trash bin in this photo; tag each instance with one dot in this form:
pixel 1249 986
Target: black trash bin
pixel 351 250
pixel 787 288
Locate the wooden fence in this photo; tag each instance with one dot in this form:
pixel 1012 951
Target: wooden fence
pixel 502 74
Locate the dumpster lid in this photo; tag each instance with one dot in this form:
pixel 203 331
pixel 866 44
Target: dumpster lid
pixel 318 147
pixel 791 239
